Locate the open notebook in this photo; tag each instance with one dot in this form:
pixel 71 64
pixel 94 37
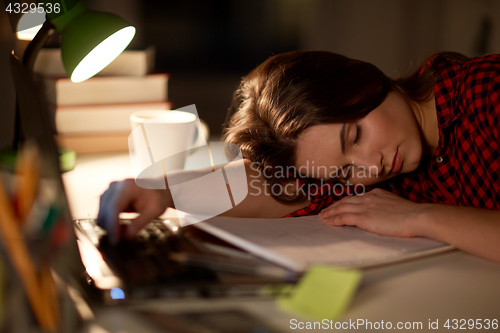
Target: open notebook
pixel 297 243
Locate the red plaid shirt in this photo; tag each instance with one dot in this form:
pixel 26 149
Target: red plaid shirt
pixel 465 169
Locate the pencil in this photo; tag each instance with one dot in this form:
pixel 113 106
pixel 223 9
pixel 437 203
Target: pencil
pixel 21 259
pixel 49 293
pixel 28 172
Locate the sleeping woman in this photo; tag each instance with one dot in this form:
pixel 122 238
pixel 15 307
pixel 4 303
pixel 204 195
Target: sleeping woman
pixel 414 156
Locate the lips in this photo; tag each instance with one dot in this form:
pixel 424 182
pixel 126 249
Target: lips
pixel 396 163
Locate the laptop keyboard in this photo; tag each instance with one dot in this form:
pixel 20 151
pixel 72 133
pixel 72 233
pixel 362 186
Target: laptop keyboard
pixel 144 260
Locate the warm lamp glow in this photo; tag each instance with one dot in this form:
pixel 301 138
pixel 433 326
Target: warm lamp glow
pixel 103 54
pixel 28 34
pixel 29 25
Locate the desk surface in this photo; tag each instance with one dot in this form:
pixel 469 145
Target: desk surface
pixel 449 286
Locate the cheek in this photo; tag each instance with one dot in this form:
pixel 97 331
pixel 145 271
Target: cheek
pixel 414 156
pixel 365 177
pixel 379 132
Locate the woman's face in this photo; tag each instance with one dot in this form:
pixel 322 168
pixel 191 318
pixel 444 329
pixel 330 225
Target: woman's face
pixel 385 143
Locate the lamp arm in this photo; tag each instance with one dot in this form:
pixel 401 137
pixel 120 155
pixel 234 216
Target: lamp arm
pixel 36 44
pixel 28 61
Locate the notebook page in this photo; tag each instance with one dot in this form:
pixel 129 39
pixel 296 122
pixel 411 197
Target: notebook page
pixel 299 242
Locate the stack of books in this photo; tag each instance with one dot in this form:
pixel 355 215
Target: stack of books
pixel 93 116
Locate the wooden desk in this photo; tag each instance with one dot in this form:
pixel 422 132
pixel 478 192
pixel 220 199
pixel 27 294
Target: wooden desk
pixel 449 286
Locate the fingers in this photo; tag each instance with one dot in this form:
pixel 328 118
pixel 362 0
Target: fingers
pixel 346 211
pixel 336 215
pixel 121 197
pixel 107 217
pixel 351 219
pixel 367 201
pixel 352 213
pixel 339 207
pixel 117 198
pixel 139 222
pixel 378 211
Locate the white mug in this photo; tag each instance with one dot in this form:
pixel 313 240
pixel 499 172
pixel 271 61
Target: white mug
pixel 160 141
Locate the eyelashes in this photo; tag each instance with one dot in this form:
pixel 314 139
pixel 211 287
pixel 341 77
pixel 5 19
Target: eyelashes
pixel 349 166
pixel 358 134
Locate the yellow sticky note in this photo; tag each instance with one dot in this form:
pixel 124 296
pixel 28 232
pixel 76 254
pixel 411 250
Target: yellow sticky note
pixel 323 292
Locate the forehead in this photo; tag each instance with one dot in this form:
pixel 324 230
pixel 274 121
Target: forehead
pixel 318 148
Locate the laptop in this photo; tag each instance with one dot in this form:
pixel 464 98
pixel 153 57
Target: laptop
pixel 162 261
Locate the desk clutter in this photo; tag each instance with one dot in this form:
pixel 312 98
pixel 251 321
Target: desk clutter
pixel 32 234
pixel 277 260
pixel 162 262
pixel 93 116
pixel 173 264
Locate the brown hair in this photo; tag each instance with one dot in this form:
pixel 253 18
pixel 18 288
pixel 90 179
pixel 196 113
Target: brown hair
pixel 291 91
pixel 420 85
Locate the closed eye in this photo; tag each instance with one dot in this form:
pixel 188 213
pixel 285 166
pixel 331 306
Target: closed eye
pixel 346 170
pixel 358 134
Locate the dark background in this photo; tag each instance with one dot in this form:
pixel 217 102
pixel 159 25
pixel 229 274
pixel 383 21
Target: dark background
pixel 207 46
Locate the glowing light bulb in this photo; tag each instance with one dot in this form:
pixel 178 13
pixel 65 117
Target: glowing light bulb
pixel 29 25
pixel 103 54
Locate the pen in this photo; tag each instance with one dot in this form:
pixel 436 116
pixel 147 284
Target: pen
pixel 19 254
pixel 232 265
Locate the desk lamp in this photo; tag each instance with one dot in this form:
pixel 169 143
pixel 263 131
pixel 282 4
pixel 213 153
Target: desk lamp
pixel 90 40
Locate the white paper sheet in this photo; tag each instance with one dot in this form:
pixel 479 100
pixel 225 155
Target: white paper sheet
pixel 299 242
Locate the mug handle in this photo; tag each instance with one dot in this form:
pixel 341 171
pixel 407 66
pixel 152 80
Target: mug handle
pixel 203 134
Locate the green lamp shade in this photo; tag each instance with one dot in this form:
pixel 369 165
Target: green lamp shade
pixel 91 41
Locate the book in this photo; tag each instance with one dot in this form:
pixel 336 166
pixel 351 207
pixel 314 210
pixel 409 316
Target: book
pixel 94 143
pixel 128 63
pixel 299 242
pixel 101 118
pixel 105 89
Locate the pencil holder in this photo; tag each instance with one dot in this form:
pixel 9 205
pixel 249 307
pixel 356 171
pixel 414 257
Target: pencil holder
pixel 31 299
pixel 15 312
pixel 16 315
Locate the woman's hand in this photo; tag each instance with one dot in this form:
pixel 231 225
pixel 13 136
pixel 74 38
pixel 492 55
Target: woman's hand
pixel 126 196
pixel 474 230
pixel 377 211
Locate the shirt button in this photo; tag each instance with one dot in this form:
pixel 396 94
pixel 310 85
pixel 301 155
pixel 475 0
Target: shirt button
pixel 439 159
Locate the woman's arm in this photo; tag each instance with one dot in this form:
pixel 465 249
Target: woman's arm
pixel 126 196
pixel 473 230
